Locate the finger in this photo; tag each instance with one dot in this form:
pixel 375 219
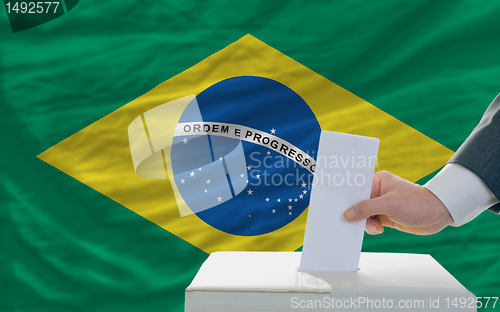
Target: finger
pixel 370 207
pixel 379 179
pixel 386 221
pixel 376 188
pixel 373 226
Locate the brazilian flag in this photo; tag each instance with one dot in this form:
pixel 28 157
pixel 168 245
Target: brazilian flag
pixel 97 101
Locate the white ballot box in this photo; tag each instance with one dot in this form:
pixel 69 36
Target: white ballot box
pixel 271 282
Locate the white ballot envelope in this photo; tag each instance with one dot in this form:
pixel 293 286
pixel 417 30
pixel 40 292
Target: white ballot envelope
pixel 343 177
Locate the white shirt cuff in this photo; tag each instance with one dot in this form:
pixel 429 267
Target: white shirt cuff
pixel 462 192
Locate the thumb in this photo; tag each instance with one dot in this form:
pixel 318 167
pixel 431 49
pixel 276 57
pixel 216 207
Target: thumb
pixel 367 208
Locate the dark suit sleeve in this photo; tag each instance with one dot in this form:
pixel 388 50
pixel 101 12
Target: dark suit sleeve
pixel 480 153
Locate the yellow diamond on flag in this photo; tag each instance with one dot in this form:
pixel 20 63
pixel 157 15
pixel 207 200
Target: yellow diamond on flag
pixel 137 154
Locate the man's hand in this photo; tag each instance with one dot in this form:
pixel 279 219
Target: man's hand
pixel 402 205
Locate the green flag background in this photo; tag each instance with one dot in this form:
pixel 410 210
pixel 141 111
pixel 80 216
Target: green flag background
pixel 434 65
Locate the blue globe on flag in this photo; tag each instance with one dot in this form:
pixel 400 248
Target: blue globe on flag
pixel 243 155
